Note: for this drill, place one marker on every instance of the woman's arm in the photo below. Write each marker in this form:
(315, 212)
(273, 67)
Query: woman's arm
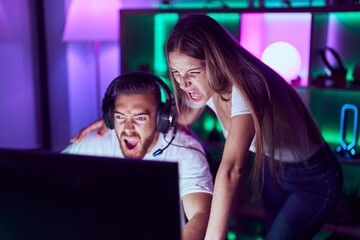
(241, 134)
(98, 125)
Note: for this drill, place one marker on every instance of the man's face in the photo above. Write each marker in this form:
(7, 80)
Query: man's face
(134, 122)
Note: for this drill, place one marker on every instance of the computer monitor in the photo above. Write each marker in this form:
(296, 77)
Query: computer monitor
(46, 195)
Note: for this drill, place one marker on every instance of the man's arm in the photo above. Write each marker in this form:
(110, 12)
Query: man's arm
(195, 182)
(197, 210)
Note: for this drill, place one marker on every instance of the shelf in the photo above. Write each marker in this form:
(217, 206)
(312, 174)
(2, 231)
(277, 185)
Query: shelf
(350, 230)
(325, 9)
(256, 28)
(347, 87)
(349, 161)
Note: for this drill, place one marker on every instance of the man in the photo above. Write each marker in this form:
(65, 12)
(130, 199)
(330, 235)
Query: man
(142, 127)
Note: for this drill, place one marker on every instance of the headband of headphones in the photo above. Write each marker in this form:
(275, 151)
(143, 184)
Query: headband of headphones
(165, 115)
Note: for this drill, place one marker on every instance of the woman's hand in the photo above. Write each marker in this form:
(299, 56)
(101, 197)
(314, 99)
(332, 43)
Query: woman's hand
(98, 125)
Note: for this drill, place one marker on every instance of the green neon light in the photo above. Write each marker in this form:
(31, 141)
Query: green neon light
(346, 24)
(326, 105)
(331, 137)
(163, 23)
(231, 21)
(209, 123)
(168, 83)
(218, 126)
(231, 235)
(348, 17)
(225, 17)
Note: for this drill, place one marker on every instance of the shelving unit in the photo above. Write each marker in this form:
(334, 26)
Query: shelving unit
(144, 31)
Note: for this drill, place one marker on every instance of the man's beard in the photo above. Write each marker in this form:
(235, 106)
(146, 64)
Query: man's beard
(142, 147)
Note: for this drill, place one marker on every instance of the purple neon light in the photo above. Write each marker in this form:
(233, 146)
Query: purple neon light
(92, 20)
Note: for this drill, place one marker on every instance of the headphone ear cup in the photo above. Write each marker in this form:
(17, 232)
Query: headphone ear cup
(110, 119)
(108, 111)
(163, 121)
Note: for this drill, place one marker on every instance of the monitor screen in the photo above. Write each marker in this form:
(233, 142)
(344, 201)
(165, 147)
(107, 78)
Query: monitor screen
(47, 195)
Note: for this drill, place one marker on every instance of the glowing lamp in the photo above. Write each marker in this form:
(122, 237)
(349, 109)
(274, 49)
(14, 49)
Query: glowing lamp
(284, 58)
(93, 21)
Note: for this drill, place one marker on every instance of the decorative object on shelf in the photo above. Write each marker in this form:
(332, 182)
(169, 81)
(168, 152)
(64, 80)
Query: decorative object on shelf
(348, 150)
(338, 71)
(285, 59)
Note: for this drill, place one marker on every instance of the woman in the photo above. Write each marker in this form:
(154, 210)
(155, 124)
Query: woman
(298, 175)
(295, 171)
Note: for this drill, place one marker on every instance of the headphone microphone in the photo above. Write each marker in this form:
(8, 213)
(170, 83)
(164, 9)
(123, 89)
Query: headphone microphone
(161, 150)
(165, 115)
(166, 112)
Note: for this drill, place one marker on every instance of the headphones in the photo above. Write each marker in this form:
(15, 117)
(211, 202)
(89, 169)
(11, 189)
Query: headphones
(165, 114)
(338, 71)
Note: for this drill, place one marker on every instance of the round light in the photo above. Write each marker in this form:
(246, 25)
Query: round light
(284, 58)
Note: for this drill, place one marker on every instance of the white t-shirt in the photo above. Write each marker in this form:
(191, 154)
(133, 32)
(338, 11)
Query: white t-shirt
(194, 171)
(238, 107)
(285, 153)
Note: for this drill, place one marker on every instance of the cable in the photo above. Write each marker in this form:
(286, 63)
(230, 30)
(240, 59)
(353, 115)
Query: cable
(189, 147)
(161, 150)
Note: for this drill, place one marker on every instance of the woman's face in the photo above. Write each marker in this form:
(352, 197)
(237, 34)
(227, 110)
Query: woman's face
(190, 74)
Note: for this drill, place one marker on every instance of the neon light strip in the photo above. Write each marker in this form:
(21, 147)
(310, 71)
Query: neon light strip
(161, 27)
(342, 119)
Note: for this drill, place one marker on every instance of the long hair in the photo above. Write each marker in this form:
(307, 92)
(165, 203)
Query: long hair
(228, 64)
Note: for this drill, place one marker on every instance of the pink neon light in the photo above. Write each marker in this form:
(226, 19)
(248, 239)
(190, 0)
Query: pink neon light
(259, 30)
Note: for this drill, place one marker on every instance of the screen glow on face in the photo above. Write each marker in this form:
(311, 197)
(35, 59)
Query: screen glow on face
(138, 119)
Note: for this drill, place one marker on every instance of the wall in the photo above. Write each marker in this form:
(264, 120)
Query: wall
(19, 105)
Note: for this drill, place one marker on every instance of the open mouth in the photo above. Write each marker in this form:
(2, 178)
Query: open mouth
(131, 144)
(194, 95)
